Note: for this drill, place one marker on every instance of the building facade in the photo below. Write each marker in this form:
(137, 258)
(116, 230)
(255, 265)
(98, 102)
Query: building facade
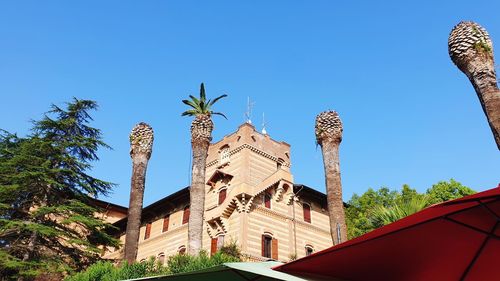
(250, 200)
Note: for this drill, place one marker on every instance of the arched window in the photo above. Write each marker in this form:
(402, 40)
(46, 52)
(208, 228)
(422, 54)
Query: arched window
(161, 258)
(216, 244)
(182, 250)
(222, 195)
(279, 163)
(269, 246)
(185, 215)
(224, 154)
(309, 250)
(306, 208)
(267, 200)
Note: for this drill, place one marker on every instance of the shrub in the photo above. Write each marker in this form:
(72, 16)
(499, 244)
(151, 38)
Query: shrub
(106, 271)
(231, 249)
(185, 263)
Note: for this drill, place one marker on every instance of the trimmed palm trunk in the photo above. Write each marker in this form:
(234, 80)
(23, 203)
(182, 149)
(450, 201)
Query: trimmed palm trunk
(328, 131)
(141, 145)
(201, 135)
(471, 50)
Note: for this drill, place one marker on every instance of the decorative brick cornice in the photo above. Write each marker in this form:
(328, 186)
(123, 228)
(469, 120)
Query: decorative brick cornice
(254, 258)
(251, 148)
(270, 212)
(163, 234)
(311, 226)
(287, 217)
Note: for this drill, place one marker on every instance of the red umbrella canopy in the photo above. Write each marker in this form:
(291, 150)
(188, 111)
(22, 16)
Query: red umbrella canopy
(454, 240)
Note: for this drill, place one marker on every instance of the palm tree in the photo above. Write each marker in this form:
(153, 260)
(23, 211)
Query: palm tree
(383, 215)
(471, 50)
(328, 131)
(201, 135)
(141, 146)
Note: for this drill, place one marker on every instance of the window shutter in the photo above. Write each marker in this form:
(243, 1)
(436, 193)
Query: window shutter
(263, 245)
(274, 249)
(307, 213)
(185, 216)
(222, 196)
(213, 246)
(165, 223)
(148, 231)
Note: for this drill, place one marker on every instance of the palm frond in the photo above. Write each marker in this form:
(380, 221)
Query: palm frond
(216, 99)
(218, 113)
(194, 99)
(201, 105)
(191, 112)
(202, 93)
(190, 103)
(383, 215)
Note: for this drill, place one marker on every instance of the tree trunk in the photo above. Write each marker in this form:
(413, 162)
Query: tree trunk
(481, 73)
(139, 166)
(197, 196)
(330, 149)
(31, 246)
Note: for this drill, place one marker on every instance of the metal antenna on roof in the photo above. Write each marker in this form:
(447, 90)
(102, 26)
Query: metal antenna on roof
(264, 124)
(248, 113)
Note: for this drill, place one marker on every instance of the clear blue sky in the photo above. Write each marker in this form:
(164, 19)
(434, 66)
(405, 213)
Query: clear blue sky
(409, 115)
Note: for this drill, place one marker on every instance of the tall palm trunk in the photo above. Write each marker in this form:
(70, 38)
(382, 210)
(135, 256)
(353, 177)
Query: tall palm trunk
(471, 49)
(201, 135)
(328, 131)
(141, 145)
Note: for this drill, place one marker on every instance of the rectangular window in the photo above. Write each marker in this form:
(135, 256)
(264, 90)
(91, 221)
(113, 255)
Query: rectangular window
(147, 233)
(166, 221)
(220, 242)
(185, 215)
(307, 212)
(213, 246)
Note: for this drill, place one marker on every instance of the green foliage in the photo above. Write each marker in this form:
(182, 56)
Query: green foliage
(444, 191)
(201, 105)
(382, 215)
(231, 249)
(375, 208)
(47, 222)
(186, 263)
(359, 208)
(106, 271)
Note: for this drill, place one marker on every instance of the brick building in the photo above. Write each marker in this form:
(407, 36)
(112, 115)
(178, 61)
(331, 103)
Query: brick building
(251, 199)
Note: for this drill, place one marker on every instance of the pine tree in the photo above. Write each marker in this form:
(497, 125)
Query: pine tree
(47, 221)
